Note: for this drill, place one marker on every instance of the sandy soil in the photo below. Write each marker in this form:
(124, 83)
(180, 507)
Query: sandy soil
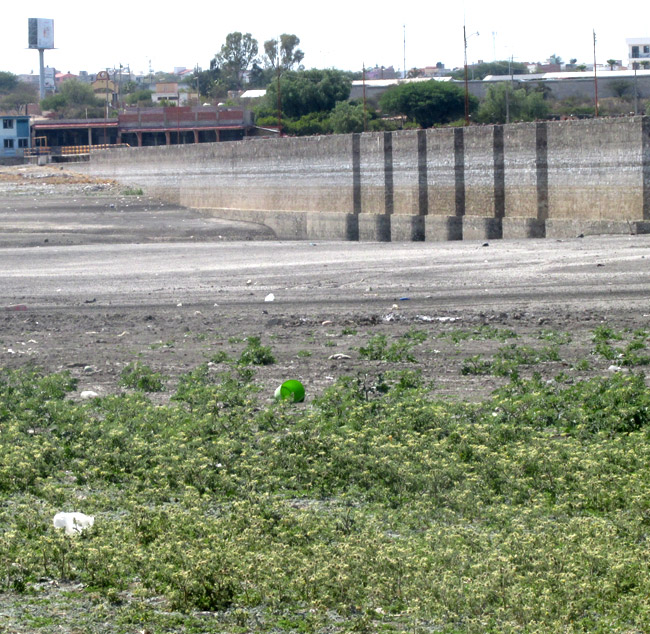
(93, 277)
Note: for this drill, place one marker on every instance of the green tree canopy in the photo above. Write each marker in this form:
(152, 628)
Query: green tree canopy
(236, 56)
(503, 103)
(75, 99)
(20, 96)
(289, 54)
(426, 103)
(482, 70)
(307, 91)
(14, 93)
(347, 117)
(140, 98)
(8, 82)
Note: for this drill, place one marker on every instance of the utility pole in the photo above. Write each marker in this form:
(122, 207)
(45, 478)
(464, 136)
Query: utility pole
(595, 77)
(279, 93)
(404, 60)
(466, 79)
(635, 65)
(365, 116)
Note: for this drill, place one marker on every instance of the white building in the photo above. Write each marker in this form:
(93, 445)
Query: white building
(639, 51)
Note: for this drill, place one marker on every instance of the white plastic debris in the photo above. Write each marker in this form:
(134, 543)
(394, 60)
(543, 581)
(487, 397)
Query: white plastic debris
(86, 395)
(73, 523)
(269, 298)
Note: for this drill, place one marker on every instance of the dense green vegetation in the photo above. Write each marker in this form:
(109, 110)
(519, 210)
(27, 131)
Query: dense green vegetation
(75, 100)
(376, 506)
(14, 94)
(427, 103)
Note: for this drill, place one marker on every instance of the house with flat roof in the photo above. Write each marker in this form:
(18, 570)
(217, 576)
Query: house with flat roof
(639, 52)
(14, 135)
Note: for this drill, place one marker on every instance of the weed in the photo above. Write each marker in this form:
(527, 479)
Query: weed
(255, 353)
(378, 349)
(141, 377)
(482, 333)
(220, 357)
(133, 191)
(555, 337)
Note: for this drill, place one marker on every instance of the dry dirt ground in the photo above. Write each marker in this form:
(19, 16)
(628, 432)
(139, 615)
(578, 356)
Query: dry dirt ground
(94, 276)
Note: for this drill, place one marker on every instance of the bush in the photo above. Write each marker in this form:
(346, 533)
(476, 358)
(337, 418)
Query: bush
(141, 377)
(255, 353)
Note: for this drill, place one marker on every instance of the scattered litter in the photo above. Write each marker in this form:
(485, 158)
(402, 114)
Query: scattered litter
(614, 368)
(312, 244)
(485, 244)
(198, 312)
(582, 235)
(73, 523)
(126, 332)
(339, 356)
(17, 307)
(600, 264)
(291, 389)
(440, 319)
(395, 307)
(91, 301)
(179, 304)
(327, 322)
(87, 395)
(269, 298)
(404, 299)
(249, 282)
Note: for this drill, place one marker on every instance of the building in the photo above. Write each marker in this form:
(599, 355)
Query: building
(14, 136)
(639, 52)
(147, 126)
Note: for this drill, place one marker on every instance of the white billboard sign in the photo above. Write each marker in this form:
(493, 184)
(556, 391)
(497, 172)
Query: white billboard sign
(41, 33)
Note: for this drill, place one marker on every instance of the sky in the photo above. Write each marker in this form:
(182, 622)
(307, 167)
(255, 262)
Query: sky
(333, 34)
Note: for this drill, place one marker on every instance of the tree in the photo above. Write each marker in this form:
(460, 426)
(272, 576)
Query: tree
(236, 57)
(555, 59)
(611, 63)
(620, 87)
(15, 94)
(74, 100)
(426, 103)
(503, 103)
(502, 67)
(140, 98)
(8, 82)
(20, 96)
(307, 91)
(259, 77)
(347, 117)
(290, 55)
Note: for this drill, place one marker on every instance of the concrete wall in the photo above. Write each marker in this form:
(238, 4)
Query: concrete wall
(520, 180)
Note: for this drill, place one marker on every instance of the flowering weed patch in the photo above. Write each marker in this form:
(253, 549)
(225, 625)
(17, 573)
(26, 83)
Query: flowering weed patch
(374, 507)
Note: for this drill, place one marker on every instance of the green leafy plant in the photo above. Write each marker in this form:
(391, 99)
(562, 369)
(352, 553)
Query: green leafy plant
(255, 353)
(378, 349)
(141, 377)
